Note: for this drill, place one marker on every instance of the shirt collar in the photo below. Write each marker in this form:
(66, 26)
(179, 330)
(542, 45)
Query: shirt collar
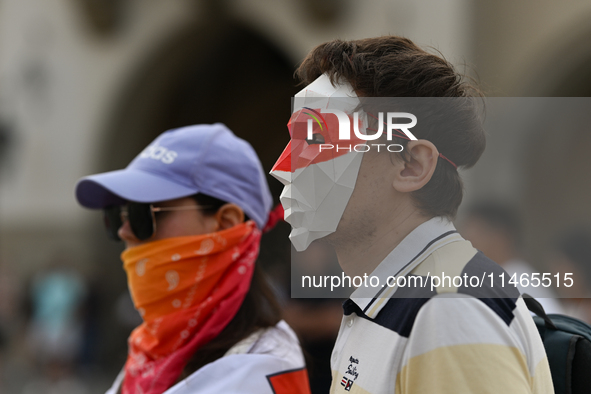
(414, 248)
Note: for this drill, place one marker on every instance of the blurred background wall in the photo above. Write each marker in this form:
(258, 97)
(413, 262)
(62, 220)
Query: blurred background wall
(86, 84)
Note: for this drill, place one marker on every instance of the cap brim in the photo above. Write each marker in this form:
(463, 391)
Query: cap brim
(116, 187)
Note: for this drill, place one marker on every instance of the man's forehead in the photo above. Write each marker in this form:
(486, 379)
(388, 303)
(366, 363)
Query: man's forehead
(322, 94)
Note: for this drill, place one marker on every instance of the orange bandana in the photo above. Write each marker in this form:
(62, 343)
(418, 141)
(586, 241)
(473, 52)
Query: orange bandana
(187, 289)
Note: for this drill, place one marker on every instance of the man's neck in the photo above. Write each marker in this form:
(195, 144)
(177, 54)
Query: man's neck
(362, 257)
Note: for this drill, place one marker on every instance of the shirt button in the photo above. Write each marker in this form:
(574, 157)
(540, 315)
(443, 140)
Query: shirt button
(350, 322)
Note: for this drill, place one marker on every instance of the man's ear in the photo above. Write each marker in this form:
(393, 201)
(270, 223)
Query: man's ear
(413, 174)
(229, 215)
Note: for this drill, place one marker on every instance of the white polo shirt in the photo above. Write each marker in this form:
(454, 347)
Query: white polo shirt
(450, 339)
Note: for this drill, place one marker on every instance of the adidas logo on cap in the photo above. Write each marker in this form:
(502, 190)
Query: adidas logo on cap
(158, 152)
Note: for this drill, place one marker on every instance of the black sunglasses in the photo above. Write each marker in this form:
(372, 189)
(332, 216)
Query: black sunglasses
(141, 218)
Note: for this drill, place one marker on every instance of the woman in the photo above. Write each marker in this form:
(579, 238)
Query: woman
(190, 209)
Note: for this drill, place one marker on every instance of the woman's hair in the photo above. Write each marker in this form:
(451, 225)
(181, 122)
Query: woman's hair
(211, 204)
(259, 309)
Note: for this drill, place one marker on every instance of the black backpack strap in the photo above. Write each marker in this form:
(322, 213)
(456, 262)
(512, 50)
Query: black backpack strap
(534, 306)
(559, 345)
(581, 367)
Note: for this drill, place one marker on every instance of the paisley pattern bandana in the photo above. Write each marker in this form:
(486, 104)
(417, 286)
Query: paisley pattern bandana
(187, 290)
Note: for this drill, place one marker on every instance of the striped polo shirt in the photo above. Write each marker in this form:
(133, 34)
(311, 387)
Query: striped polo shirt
(455, 338)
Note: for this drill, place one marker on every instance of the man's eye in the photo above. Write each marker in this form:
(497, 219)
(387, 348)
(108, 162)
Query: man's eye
(316, 139)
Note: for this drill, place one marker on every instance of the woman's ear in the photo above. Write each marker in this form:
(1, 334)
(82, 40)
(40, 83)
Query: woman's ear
(413, 174)
(229, 215)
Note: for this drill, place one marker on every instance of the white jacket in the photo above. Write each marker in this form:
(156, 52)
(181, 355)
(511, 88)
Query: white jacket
(249, 367)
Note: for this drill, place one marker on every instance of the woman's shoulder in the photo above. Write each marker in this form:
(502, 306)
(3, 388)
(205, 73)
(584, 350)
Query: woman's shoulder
(278, 340)
(250, 366)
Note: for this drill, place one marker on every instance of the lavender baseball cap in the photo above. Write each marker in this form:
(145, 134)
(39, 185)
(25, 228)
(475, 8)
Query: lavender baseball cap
(206, 159)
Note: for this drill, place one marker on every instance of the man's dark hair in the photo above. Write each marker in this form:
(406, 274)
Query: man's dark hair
(393, 66)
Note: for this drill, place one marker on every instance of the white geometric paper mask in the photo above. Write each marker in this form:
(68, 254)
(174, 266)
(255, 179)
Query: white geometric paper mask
(318, 180)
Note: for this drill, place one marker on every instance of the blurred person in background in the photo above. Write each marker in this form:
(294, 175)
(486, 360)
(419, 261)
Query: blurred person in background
(315, 320)
(8, 313)
(572, 255)
(190, 209)
(389, 215)
(495, 229)
(55, 334)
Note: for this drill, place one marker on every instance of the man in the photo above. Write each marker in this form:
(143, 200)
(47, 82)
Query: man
(494, 228)
(190, 209)
(387, 212)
